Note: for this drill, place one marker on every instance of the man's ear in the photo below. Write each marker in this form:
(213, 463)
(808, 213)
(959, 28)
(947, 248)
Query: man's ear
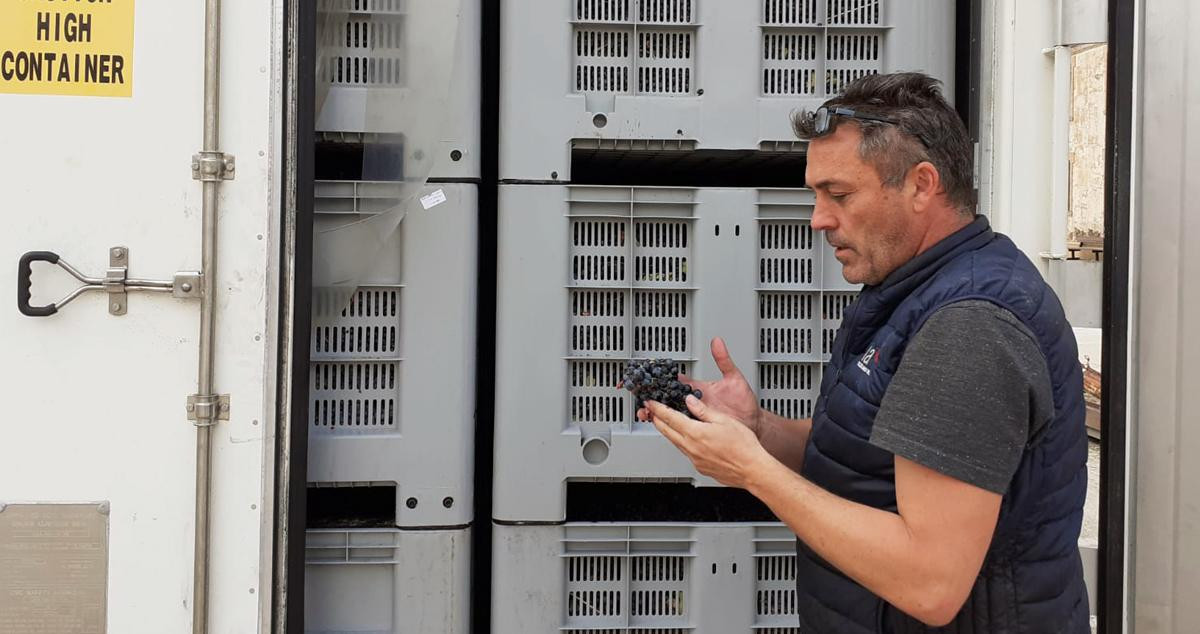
(926, 185)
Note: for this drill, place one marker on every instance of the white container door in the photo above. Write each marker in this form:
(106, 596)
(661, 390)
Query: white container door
(95, 153)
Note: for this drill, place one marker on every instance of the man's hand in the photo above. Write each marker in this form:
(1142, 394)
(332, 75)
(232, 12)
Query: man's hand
(719, 446)
(731, 394)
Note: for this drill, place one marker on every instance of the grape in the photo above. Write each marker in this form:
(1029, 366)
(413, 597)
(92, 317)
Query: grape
(656, 379)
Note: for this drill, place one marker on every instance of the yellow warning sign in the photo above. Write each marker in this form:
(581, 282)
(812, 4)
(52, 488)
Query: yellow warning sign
(67, 47)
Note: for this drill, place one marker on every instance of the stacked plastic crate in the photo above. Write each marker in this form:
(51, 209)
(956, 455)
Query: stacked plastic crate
(591, 276)
(391, 409)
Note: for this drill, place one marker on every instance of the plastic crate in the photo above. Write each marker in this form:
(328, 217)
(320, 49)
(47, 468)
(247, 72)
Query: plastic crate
(367, 45)
(391, 393)
(387, 581)
(644, 579)
(590, 277)
(702, 74)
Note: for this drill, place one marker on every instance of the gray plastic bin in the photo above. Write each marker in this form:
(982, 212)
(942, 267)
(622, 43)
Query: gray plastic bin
(387, 581)
(706, 74)
(368, 49)
(393, 374)
(590, 277)
(643, 578)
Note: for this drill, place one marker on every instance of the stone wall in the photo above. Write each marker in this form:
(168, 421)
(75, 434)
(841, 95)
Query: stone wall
(1085, 218)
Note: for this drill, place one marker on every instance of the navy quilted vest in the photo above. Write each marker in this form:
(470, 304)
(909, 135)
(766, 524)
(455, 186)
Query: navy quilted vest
(1032, 577)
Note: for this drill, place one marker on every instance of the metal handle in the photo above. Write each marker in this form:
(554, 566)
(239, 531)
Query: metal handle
(25, 284)
(116, 282)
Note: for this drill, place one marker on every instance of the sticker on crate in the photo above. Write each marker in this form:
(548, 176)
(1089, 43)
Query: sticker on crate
(433, 200)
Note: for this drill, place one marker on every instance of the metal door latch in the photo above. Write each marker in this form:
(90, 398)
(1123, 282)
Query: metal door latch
(116, 283)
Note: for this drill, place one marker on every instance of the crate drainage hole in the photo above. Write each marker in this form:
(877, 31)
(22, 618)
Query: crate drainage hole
(600, 120)
(595, 451)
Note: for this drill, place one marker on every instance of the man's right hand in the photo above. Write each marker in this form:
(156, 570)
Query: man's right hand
(731, 394)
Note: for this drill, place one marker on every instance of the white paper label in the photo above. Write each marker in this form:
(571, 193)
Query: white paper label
(433, 200)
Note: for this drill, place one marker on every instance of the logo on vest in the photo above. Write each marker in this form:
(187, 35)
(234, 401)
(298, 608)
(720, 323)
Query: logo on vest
(872, 356)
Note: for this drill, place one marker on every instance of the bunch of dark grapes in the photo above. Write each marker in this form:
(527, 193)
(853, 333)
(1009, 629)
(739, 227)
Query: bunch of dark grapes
(656, 380)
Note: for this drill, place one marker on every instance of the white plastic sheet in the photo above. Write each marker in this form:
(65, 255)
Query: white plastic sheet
(387, 64)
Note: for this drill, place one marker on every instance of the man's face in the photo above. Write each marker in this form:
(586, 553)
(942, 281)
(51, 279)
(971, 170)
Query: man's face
(871, 226)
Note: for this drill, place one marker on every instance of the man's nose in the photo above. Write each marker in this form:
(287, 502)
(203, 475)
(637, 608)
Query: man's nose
(822, 218)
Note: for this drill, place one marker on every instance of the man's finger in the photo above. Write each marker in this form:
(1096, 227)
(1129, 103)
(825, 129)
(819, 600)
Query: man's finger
(720, 355)
(695, 383)
(677, 421)
(698, 408)
(670, 434)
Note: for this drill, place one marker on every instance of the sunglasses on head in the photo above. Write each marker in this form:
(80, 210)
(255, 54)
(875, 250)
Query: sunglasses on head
(823, 120)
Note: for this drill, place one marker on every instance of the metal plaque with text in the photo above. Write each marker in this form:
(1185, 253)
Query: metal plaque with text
(53, 568)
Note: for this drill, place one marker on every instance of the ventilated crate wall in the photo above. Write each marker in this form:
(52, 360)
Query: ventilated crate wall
(591, 277)
(799, 309)
(355, 362)
(366, 60)
(644, 578)
(813, 48)
(643, 47)
(694, 74)
(364, 42)
(629, 294)
(355, 351)
(391, 376)
(789, 389)
(387, 581)
(775, 581)
(833, 310)
(629, 589)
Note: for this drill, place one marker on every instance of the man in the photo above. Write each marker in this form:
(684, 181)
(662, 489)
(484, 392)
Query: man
(941, 480)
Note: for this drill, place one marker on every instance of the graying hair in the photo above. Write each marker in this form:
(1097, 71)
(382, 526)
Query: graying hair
(927, 129)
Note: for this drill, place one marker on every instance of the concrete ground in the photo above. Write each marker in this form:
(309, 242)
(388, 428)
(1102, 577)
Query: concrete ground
(1090, 534)
(1090, 352)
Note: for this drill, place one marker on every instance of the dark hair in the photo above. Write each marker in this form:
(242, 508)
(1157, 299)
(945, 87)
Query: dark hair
(927, 129)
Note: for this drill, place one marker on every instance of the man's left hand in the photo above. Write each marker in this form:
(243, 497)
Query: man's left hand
(719, 446)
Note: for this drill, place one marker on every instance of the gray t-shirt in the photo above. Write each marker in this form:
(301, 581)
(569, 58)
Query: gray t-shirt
(971, 390)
